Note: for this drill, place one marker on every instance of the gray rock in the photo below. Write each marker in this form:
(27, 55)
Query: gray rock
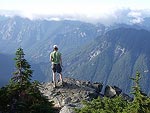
(76, 99)
(66, 101)
(78, 83)
(118, 90)
(126, 97)
(66, 109)
(57, 101)
(109, 91)
(72, 92)
(97, 86)
(70, 95)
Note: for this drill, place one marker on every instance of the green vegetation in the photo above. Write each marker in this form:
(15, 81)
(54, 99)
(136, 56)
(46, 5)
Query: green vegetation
(21, 95)
(140, 104)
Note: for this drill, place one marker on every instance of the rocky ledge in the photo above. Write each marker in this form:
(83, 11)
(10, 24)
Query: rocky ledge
(70, 94)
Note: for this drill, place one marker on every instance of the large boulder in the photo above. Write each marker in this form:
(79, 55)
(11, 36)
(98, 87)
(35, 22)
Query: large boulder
(112, 91)
(117, 89)
(109, 91)
(97, 86)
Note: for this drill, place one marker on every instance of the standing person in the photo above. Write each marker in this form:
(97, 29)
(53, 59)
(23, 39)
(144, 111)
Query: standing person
(56, 60)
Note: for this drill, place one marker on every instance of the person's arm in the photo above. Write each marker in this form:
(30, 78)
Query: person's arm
(50, 58)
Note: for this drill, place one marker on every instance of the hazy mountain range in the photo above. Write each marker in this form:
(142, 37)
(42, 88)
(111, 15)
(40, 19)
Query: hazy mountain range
(107, 54)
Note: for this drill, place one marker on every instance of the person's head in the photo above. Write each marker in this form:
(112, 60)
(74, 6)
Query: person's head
(55, 47)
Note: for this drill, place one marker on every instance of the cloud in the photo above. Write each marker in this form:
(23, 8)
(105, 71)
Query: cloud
(136, 16)
(137, 20)
(113, 15)
(126, 15)
(9, 13)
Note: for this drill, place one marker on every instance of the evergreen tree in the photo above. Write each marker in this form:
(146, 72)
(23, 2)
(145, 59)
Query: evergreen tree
(21, 95)
(140, 104)
(23, 73)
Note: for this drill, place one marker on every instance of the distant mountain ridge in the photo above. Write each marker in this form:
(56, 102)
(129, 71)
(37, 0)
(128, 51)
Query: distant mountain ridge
(114, 57)
(110, 55)
(28, 34)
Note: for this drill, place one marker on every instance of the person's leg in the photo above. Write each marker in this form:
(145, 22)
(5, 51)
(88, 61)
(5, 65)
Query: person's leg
(59, 70)
(54, 79)
(54, 74)
(60, 77)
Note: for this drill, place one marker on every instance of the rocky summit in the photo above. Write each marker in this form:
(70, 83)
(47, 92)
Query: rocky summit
(70, 94)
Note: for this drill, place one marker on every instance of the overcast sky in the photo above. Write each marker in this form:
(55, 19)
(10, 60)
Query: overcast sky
(73, 8)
